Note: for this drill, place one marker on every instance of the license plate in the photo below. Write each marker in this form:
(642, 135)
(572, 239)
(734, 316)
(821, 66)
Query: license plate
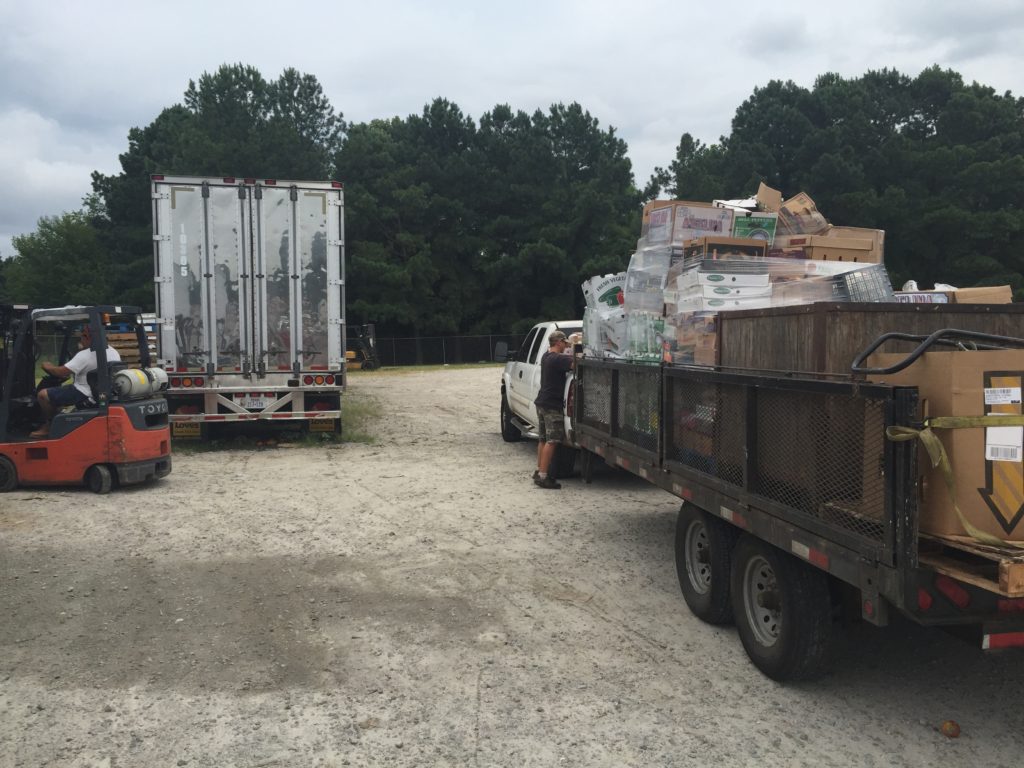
(255, 403)
(186, 429)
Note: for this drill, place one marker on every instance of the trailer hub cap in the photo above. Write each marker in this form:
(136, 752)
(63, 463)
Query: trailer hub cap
(761, 601)
(698, 557)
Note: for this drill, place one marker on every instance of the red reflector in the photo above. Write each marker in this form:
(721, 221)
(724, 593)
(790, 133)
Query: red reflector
(1003, 640)
(175, 382)
(249, 181)
(270, 182)
(229, 179)
(924, 599)
(336, 184)
(199, 381)
(307, 380)
(329, 379)
(820, 559)
(869, 608)
(157, 177)
(955, 593)
(1006, 605)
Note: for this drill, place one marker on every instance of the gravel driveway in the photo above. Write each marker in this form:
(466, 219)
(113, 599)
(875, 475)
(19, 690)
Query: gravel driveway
(418, 602)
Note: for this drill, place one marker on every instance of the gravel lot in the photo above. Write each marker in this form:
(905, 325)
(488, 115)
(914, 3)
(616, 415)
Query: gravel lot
(418, 602)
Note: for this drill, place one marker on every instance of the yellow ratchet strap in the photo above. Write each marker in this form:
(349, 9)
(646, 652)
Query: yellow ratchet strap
(939, 459)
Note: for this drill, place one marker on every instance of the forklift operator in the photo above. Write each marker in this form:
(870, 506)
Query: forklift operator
(80, 366)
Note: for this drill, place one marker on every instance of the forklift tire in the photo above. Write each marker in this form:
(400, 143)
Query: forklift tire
(783, 610)
(8, 475)
(99, 479)
(704, 546)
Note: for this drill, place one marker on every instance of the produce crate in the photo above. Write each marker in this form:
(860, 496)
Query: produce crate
(826, 337)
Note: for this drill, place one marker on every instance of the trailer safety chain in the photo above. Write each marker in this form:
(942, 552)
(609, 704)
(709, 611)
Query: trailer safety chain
(940, 460)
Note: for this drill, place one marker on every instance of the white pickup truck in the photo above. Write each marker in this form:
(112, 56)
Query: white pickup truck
(520, 383)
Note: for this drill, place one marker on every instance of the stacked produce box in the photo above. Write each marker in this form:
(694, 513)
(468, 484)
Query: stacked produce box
(696, 260)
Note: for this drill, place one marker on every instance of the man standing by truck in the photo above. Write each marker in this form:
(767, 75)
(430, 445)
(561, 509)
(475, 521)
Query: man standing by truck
(555, 363)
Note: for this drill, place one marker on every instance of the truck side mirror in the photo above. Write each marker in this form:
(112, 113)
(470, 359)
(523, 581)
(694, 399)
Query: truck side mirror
(501, 353)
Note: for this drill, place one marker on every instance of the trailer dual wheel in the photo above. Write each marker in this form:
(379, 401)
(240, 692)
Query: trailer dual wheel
(704, 547)
(509, 432)
(564, 462)
(99, 479)
(8, 475)
(782, 610)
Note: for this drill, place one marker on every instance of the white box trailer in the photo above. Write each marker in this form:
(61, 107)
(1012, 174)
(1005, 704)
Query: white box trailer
(250, 300)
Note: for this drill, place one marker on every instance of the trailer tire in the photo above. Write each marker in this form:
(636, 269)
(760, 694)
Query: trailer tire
(782, 610)
(99, 479)
(704, 550)
(8, 475)
(509, 432)
(564, 461)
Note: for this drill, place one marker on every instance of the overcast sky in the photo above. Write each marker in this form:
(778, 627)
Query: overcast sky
(76, 76)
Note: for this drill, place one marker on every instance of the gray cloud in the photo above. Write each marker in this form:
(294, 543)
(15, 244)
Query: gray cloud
(77, 76)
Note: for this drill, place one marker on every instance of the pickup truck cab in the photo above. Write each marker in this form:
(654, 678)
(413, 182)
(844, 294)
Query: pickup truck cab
(520, 383)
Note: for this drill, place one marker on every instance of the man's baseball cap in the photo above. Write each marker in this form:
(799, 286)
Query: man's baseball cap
(557, 336)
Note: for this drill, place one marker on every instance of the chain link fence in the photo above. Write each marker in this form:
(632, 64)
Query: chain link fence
(443, 350)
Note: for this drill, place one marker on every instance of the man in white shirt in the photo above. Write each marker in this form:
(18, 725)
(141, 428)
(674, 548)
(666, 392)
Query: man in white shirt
(80, 366)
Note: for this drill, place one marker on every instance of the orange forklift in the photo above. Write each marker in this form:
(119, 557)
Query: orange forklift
(118, 436)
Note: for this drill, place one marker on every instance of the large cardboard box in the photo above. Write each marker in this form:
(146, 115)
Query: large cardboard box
(821, 248)
(995, 294)
(799, 216)
(694, 220)
(715, 248)
(755, 224)
(987, 463)
(876, 236)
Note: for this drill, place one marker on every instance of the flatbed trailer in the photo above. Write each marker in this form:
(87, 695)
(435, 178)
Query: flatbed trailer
(795, 504)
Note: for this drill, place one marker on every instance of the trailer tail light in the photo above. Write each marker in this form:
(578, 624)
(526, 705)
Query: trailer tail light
(307, 379)
(270, 182)
(329, 379)
(336, 184)
(319, 380)
(199, 381)
(924, 599)
(229, 179)
(157, 177)
(187, 381)
(953, 592)
(175, 381)
(1010, 605)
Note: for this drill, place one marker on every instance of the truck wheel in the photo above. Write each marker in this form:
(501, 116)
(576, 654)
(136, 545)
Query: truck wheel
(509, 432)
(8, 475)
(704, 546)
(782, 610)
(99, 479)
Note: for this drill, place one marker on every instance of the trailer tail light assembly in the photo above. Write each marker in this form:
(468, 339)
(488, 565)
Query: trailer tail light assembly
(187, 381)
(318, 380)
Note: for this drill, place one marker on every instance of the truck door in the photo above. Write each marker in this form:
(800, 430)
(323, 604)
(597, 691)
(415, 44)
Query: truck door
(297, 308)
(203, 274)
(521, 381)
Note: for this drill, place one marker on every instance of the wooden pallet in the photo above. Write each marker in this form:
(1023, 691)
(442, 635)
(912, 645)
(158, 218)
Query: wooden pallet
(997, 569)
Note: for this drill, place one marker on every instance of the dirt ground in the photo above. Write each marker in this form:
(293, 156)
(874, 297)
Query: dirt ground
(418, 602)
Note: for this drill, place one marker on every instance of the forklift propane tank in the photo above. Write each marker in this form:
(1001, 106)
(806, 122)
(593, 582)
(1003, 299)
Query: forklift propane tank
(139, 382)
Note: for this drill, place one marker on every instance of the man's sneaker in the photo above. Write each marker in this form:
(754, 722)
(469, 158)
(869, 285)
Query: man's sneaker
(547, 482)
(536, 475)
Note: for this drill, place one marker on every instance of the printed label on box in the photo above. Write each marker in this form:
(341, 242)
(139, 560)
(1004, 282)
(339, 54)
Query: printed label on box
(1002, 396)
(1004, 444)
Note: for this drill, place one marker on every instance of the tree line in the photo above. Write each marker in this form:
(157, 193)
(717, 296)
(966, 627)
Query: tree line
(456, 225)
